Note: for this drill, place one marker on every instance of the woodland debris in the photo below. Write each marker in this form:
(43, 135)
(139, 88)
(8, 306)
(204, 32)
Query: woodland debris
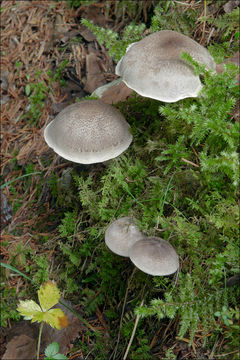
(6, 211)
(235, 59)
(4, 76)
(94, 73)
(21, 341)
(60, 27)
(113, 92)
(20, 347)
(65, 337)
(231, 5)
(117, 93)
(87, 34)
(93, 13)
(4, 99)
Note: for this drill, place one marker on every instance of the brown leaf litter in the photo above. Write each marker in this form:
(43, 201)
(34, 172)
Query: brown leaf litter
(30, 32)
(37, 37)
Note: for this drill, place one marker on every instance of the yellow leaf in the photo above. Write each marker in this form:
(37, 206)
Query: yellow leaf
(48, 295)
(28, 309)
(56, 318)
(39, 317)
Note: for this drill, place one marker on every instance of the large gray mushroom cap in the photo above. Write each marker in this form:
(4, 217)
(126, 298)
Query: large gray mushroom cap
(88, 132)
(154, 256)
(121, 235)
(153, 66)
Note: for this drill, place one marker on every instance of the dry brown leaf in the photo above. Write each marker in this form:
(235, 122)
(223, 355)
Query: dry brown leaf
(6, 211)
(116, 93)
(231, 5)
(235, 60)
(20, 347)
(236, 111)
(87, 34)
(94, 73)
(94, 14)
(64, 337)
(4, 76)
(60, 27)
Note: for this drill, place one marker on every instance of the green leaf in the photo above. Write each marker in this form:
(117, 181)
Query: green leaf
(52, 349)
(59, 357)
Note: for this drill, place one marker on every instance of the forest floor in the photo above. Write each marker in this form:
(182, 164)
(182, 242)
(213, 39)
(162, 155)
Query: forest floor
(43, 69)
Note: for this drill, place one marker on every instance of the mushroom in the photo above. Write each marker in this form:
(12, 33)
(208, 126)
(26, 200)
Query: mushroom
(154, 256)
(88, 132)
(153, 66)
(121, 235)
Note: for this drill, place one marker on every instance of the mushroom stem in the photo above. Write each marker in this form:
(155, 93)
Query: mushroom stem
(133, 334)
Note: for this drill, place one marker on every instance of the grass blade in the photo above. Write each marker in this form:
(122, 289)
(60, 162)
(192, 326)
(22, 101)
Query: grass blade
(18, 178)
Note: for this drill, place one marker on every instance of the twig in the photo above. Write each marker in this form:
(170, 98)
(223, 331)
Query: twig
(204, 23)
(190, 162)
(195, 153)
(102, 321)
(155, 337)
(123, 308)
(226, 354)
(133, 334)
(210, 35)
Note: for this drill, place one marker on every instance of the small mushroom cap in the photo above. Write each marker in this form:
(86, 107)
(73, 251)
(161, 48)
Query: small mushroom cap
(153, 66)
(88, 132)
(154, 256)
(121, 235)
